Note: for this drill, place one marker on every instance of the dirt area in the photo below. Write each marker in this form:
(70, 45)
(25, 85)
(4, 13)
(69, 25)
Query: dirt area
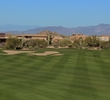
(46, 53)
(94, 48)
(12, 52)
(58, 54)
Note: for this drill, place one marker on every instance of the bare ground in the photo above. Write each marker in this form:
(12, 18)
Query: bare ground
(46, 53)
(12, 52)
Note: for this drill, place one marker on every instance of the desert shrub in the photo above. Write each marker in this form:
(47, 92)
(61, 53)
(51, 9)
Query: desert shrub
(65, 42)
(92, 41)
(35, 44)
(12, 43)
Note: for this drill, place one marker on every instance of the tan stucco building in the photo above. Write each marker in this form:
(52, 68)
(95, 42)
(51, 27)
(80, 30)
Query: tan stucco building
(78, 36)
(31, 36)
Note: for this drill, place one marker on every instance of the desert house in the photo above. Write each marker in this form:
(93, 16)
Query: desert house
(48, 37)
(31, 36)
(77, 37)
(2, 37)
(104, 38)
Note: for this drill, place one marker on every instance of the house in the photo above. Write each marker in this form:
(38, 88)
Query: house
(77, 37)
(57, 38)
(47, 37)
(2, 38)
(31, 36)
(104, 38)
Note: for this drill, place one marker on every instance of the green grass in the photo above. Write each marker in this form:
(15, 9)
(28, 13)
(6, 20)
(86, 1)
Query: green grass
(76, 75)
(1, 51)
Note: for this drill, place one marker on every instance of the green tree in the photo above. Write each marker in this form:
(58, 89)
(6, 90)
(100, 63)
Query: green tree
(12, 43)
(65, 42)
(105, 44)
(92, 41)
(76, 44)
(55, 43)
(35, 44)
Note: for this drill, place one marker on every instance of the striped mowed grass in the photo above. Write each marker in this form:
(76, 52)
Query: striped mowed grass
(76, 75)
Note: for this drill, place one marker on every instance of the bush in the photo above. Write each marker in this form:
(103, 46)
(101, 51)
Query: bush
(35, 44)
(64, 42)
(92, 41)
(12, 43)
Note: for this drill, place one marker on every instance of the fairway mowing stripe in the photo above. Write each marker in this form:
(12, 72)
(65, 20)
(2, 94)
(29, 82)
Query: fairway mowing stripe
(24, 74)
(26, 95)
(105, 67)
(19, 60)
(51, 75)
(31, 80)
(7, 94)
(81, 85)
(44, 67)
(13, 66)
(97, 77)
(62, 84)
(13, 70)
(50, 78)
(50, 93)
(94, 70)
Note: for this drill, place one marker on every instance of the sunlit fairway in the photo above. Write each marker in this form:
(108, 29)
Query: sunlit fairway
(75, 75)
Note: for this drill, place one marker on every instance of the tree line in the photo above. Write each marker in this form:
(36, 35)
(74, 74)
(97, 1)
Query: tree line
(32, 44)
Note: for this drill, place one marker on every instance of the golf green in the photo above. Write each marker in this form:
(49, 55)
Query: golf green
(75, 75)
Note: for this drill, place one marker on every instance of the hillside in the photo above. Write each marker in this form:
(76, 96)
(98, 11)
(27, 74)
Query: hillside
(50, 33)
(88, 30)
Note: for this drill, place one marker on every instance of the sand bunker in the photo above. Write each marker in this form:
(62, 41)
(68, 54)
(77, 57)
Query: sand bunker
(57, 54)
(12, 52)
(46, 53)
(51, 52)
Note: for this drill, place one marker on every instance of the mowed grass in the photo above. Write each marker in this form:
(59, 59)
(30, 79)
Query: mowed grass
(76, 75)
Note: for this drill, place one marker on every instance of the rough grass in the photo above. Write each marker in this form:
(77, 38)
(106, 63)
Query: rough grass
(76, 75)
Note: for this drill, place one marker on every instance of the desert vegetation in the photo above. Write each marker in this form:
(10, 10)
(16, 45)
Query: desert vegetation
(12, 43)
(91, 42)
(56, 40)
(32, 44)
(35, 44)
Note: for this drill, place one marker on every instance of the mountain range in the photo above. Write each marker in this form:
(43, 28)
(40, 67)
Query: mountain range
(9, 27)
(87, 30)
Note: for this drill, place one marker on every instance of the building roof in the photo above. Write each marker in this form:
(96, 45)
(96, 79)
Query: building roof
(36, 35)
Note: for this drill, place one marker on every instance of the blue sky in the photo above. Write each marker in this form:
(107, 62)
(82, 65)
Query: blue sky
(67, 13)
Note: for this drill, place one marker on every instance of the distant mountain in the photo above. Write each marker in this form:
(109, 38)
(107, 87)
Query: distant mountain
(10, 27)
(50, 33)
(88, 30)
(94, 30)
(59, 29)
